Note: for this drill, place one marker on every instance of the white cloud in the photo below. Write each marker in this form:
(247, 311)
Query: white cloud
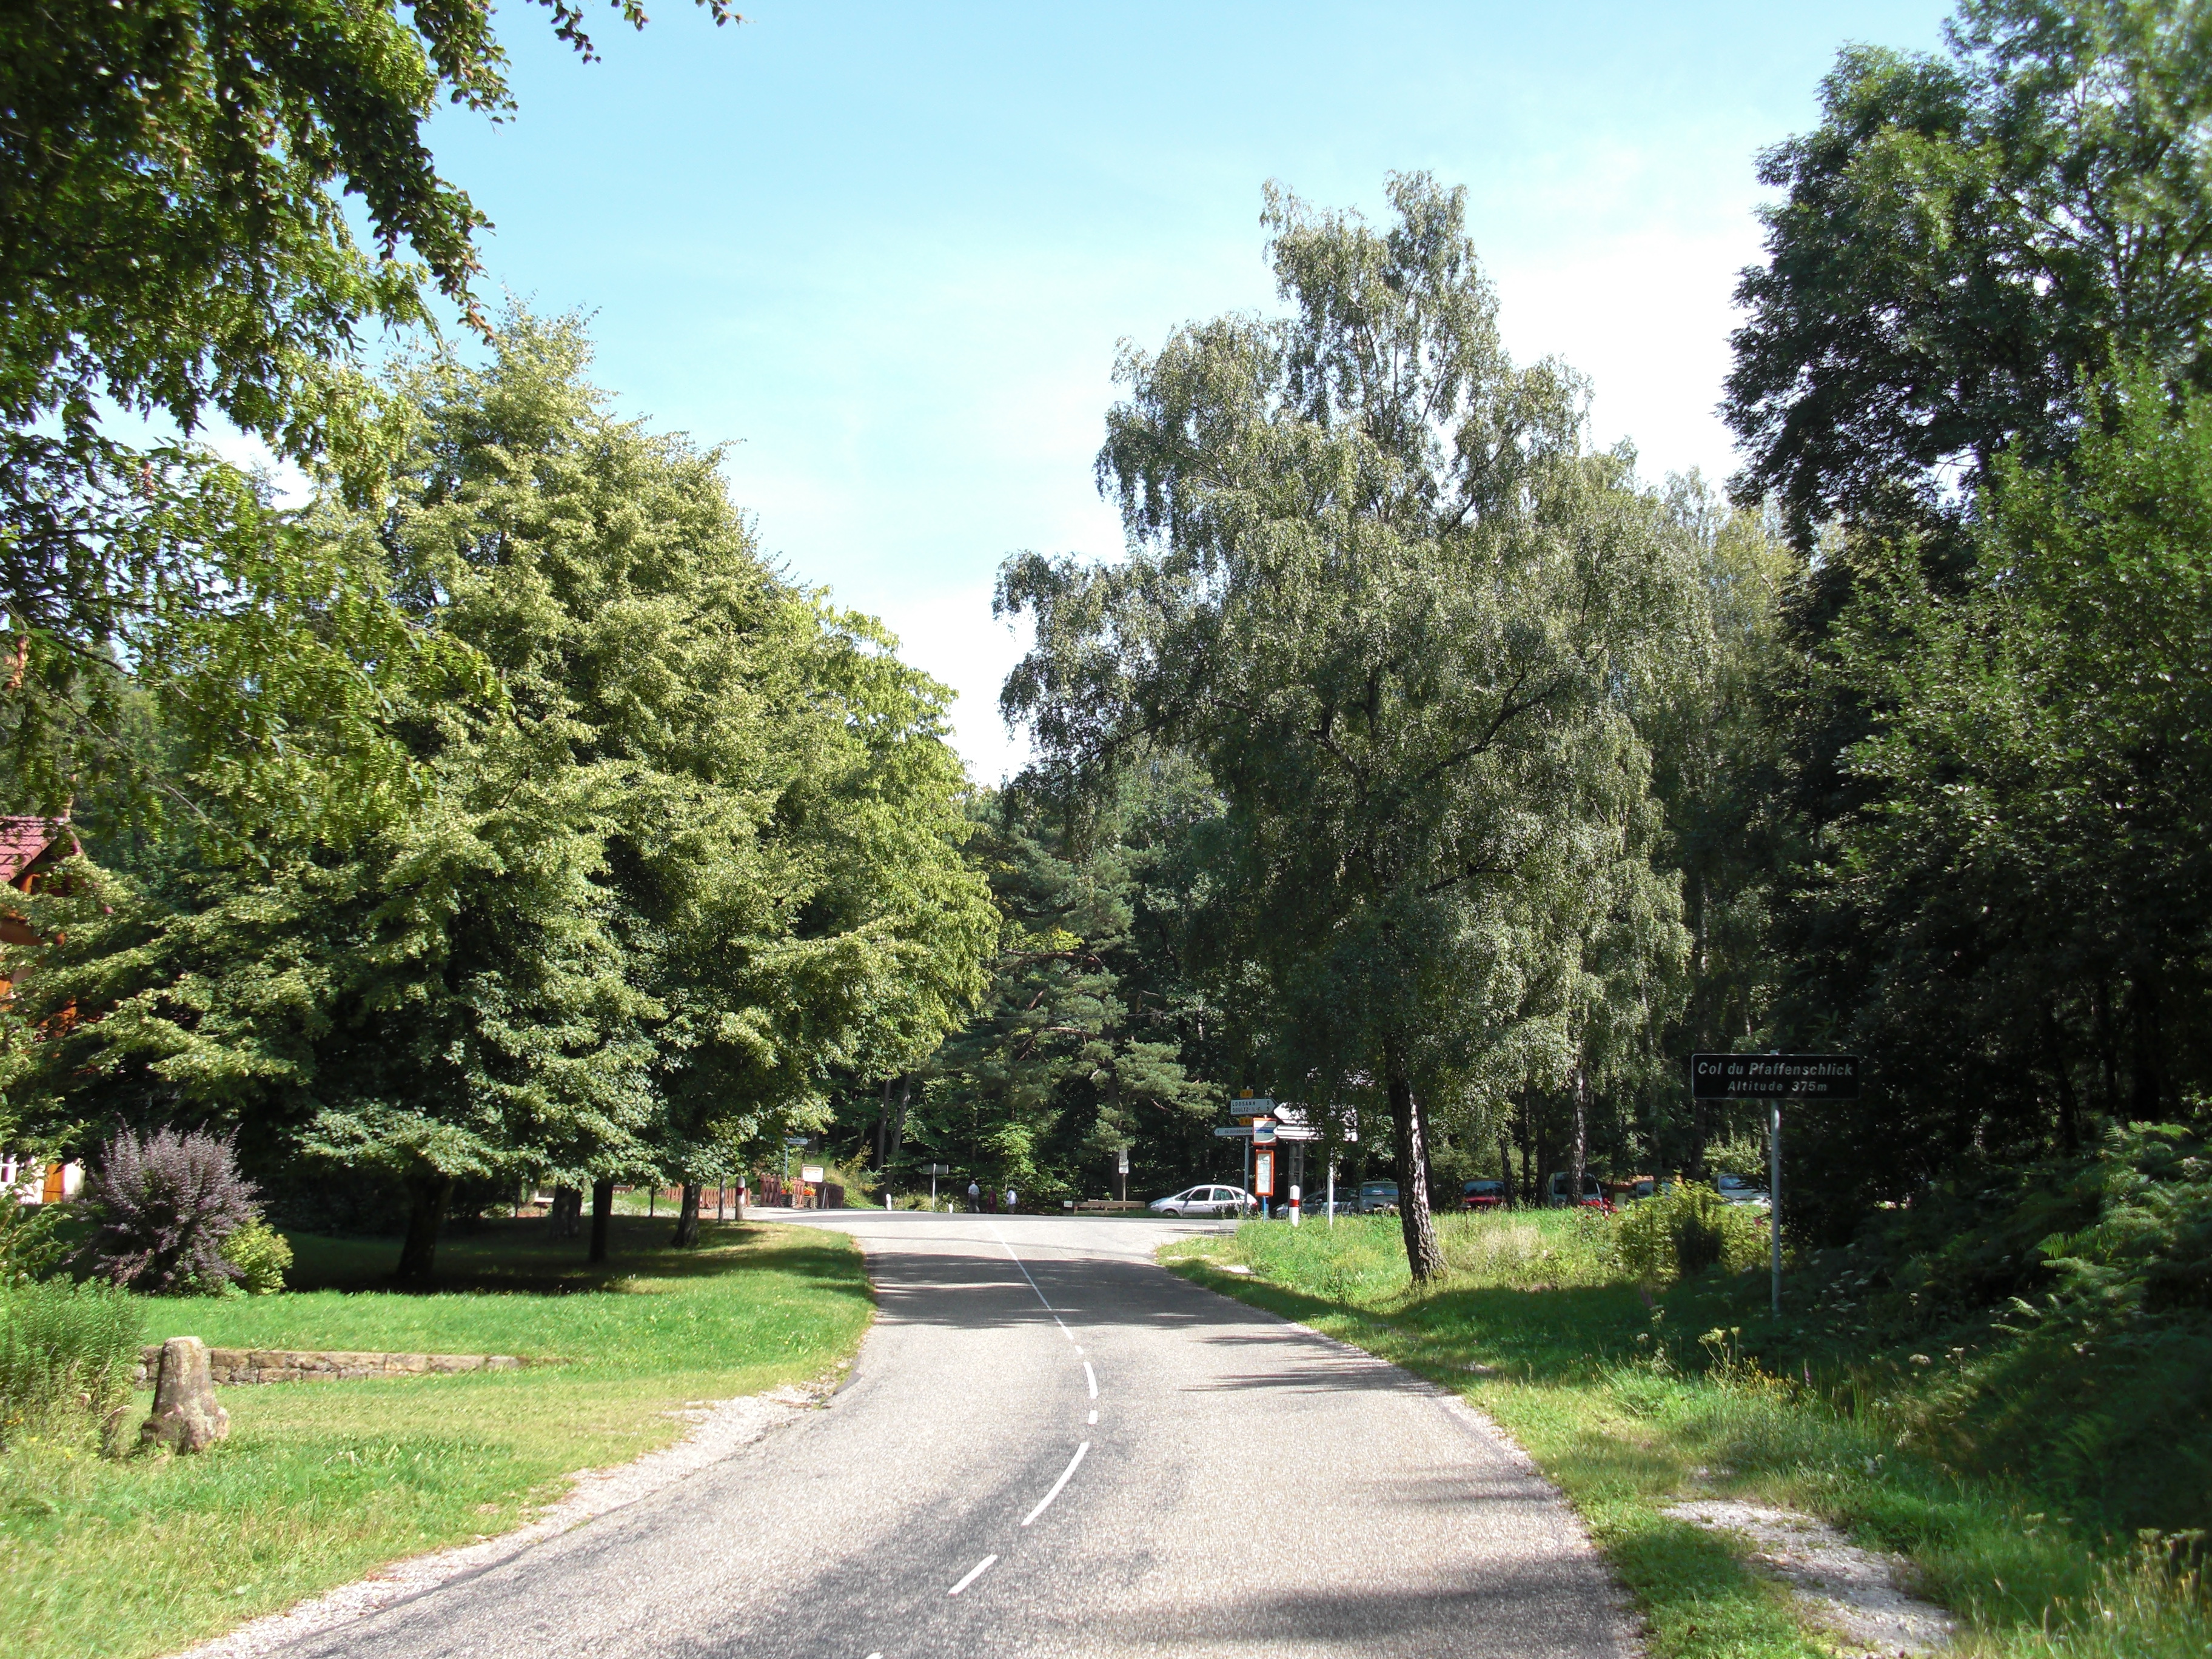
(951, 636)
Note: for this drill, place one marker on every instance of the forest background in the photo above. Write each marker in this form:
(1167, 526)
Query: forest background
(502, 814)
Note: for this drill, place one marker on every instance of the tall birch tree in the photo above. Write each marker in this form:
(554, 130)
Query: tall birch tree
(1380, 588)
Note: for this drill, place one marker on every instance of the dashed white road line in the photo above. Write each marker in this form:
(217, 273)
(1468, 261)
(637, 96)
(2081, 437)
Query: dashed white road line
(1024, 1271)
(971, 1575)
(1094, 1417)
(1046, 1500)
(1091, 1378)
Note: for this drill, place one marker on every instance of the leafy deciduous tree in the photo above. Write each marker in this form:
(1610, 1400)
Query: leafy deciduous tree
(1379, 590)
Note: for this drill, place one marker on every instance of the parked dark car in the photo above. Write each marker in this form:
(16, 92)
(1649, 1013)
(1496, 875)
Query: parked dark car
(1379, 1198)
(1482, 1196)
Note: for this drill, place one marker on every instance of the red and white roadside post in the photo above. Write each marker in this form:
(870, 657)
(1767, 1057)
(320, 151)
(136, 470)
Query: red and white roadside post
(1294, 1204)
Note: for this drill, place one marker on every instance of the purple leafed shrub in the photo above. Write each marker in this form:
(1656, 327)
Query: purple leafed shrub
(165, 1204)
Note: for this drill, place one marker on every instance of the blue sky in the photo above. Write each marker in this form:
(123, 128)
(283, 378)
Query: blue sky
(887, 252)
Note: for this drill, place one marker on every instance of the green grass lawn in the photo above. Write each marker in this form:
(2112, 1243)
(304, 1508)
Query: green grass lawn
(320, 1482)
(1621, 1403)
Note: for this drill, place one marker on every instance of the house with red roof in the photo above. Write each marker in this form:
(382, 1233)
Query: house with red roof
(30, 850)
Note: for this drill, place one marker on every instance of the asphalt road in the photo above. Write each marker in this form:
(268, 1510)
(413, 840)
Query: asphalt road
(1050, 1445)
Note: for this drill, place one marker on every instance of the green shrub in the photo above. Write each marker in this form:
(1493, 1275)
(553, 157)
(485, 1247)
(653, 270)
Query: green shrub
(2066, 1330)
(66, 1354)
(261, 1255)
(32, 1243)
(1681, 1230)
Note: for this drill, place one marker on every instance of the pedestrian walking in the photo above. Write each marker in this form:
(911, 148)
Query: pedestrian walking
(1010, 1200)
(975, 1198)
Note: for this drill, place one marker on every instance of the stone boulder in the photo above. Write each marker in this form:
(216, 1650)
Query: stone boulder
(185, 1416)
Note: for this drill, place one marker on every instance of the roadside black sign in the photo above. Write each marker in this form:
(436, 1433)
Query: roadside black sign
(1774, 1077)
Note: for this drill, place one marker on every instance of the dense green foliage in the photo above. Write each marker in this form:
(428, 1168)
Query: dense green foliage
(1683, 1230)
(692, 842)
(261, 1256)
(176, 243)
(2012, 916)
(1094, 1037)
(1381, 592)
(2072, 1303)
(1963, 238)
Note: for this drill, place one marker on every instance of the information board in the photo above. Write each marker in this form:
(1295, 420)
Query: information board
(1774, 1077)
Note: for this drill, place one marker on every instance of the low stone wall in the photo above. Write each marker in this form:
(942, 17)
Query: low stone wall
(236, 1366)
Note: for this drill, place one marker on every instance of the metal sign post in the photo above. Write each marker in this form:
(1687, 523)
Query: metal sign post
(1774, 1194)
(1774, 1078)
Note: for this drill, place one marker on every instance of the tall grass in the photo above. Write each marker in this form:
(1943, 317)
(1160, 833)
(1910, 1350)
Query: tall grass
(66, 1353)
(1362, 1258)
(2150, 1605)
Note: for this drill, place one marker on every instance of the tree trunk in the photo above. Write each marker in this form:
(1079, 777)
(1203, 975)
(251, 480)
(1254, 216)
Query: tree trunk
(2146, 1089)
(2070, 1109)
(1424, 1256)
(898, 1119)
(1580, 1154)
(2108, 1055)
(883, 1129)
(426, 1208)
(564, 1216)
(603, 1213)
(687, 1219)
(1505, 1163)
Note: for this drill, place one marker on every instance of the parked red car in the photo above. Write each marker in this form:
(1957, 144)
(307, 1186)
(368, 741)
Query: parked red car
(1482, 1196)
(1593, 1194)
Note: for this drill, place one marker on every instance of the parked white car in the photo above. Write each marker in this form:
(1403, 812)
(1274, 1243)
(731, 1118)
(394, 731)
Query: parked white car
(1737, 1190)
(1205, 1200)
